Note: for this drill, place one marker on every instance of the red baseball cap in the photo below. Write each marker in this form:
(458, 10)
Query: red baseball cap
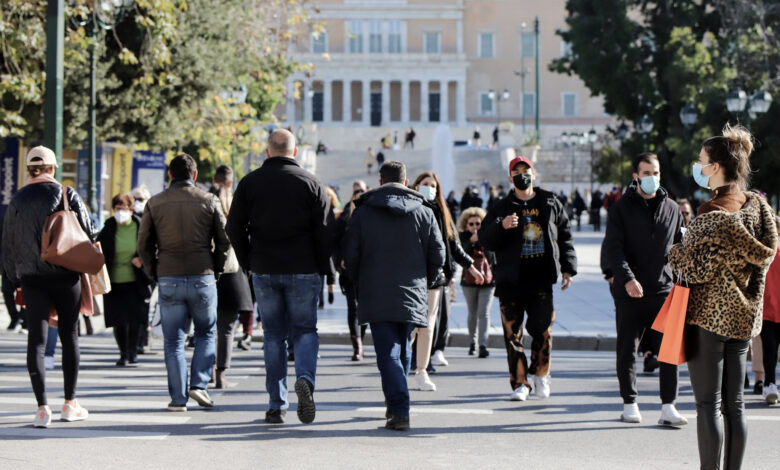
(520, 159)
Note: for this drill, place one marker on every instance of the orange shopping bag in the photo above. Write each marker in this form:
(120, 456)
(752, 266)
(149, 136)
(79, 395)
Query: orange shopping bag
(671, 322)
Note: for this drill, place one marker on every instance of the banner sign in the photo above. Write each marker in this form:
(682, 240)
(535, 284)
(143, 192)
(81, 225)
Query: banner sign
(122, 171)
(149, 170)
(82, 175)
(9, 171)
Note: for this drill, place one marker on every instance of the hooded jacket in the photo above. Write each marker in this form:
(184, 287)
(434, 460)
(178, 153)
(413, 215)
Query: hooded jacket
(393, 247)
(725, 256)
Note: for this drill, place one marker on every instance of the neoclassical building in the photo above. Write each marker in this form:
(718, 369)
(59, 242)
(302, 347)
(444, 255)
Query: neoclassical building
(394, 63)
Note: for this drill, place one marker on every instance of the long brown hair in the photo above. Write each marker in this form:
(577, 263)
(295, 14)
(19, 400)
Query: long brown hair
(449, 225)
(223, 176)
(732, 151)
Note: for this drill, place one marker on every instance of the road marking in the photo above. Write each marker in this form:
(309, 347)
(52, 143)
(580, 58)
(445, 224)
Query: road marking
(93, 403)
(414, 409)
(749, 417)
(70, 433)
(110, 418)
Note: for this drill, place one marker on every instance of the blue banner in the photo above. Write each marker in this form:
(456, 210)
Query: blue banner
(149, 170)
(82, 177)
(9, 171)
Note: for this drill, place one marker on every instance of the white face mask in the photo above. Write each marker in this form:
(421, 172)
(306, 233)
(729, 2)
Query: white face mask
(139, 206)
(122, 216)
(428, 192)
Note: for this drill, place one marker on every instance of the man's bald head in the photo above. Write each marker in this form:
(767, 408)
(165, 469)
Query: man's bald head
(281, 143)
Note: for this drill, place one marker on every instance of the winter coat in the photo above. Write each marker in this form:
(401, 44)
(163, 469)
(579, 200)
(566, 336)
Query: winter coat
(393, 248)
(183, 233)
(23, 228)
(469, 247)
(508, 244)
(278, 223)
(725, 256)
(637, 243)
(107, 239)
(772, 291)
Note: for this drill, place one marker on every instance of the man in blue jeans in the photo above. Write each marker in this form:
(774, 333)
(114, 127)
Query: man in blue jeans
(182, 242)
(278, 227)
(393, 251)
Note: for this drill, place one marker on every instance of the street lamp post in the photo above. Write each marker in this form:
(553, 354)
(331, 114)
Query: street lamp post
(498, 99)
(55, 40)
(622, 133)
(593, 137)
(522, 73)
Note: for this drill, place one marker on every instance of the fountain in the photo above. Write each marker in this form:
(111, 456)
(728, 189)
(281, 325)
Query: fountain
(442, 162)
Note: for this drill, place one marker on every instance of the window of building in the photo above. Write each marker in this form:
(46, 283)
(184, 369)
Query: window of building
(394, 37)
(375, 37)
(355, 36)
(485, 104)
(565, 49)
(569, 104)
(319, 42)
(487, 45)
(528, 45)
(433, 43)
(529, 104)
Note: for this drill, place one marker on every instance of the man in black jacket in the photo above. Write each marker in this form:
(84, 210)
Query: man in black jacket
(641, 228)
(394, 249)
(278, 227)
(531, 236)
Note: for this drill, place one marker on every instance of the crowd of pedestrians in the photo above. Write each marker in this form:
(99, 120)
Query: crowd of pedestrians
(397, 251)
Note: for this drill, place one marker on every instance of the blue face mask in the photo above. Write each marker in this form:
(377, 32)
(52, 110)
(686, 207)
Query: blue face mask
(428, 192)
(649, 184)
(701, 180)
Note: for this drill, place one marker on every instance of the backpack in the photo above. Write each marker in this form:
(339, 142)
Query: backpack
(482, 265)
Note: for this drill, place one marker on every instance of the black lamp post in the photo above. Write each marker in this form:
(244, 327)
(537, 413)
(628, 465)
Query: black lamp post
(593, 137)
(622, 133)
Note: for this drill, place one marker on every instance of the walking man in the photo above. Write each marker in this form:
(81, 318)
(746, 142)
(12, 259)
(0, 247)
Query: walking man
(393, 250)
(182, 243)
(641, 228)
(278, 227)
(530, 233)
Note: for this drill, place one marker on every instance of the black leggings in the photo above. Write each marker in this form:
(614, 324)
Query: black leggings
(352, 316)
(717, 368)
(9, 296)
(770, 335)
(64, 293)
(442, 331)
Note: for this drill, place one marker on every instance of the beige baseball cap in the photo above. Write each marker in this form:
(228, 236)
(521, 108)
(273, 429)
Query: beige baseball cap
(41, 155)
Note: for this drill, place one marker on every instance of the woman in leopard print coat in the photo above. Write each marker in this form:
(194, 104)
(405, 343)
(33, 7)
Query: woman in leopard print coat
(724, 256)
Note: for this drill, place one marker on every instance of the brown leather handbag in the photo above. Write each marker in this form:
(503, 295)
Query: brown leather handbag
(65, 243)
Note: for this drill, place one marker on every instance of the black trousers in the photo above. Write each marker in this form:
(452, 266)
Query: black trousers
(352, 317)
(64, 293)
(126, 336)
(9, 296)
(717, 366)
(442, 330)
(226, 328)
(770, 335)
(634, 318)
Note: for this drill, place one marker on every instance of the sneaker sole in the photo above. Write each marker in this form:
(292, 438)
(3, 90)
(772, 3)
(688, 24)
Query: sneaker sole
(306, 407)
(177, 408)
(40, 426)
(70, 420)
(663, 422)
(201, 401)
(631, 421)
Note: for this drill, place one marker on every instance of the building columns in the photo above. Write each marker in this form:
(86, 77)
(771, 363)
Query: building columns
(405, 101)
(327, 100)
(424, 107)
(460, 102)
(366, 90)
(346, 95)
(385, 103)
(444, 101)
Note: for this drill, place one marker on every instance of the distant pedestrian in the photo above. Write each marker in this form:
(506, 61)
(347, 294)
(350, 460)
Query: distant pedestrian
(770, 330)
(286, 258)
(470, 198)
(477, 138)
(687, 212)
(495, 137)
(597, 200)
(369, 159)
(183, 244)
(43, 285)
(380, 159)
(392, 223)
(578, 207)
(409, 140)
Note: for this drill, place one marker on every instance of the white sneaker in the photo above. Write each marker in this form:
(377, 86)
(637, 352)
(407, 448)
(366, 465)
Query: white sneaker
(520, 393)
(670, 417)
(542, 386)
(42, 418)
(423, 382)
(631, 413)
(438, 359)
(770, 394)
(73, 413)
(48, 362)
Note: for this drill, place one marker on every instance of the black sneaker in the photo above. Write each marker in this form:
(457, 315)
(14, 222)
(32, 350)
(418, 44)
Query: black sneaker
(430, 369)
(121, 362)
(747, 382)
(758, 388)
(397, 423)
(483, 352)
(306, 408)
(275, 416)
(472, 348)
(202, 397)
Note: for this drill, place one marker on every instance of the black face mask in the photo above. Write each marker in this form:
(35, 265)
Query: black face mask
(522, 181)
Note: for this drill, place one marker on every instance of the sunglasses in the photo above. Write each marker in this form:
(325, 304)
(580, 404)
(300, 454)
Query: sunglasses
(475, 224)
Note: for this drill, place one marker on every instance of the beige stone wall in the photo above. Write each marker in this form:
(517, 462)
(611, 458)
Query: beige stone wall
(416, 30)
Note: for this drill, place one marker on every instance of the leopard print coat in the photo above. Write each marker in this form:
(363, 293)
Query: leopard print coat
(724, 256)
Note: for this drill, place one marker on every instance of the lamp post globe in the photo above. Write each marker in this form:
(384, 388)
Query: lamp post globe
(645, 125)
(688, 116)
(593, 136)
(760, 102)
(736, 101)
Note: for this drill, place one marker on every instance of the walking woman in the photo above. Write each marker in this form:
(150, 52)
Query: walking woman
(233, 293)
(770, 331)
(479, 298)
(428, 185)
(127, 305)
(724, 256)
(45, 285)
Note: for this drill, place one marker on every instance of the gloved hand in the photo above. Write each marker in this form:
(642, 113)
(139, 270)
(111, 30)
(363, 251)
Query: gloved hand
(330, 298)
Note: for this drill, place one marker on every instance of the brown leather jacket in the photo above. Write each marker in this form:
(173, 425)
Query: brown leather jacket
(183, 233)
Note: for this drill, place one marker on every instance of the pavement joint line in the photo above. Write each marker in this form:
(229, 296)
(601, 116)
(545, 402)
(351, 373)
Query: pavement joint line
(110, 418)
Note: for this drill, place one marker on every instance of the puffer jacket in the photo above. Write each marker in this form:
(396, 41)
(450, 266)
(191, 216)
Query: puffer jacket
(23, 228)
(725, 256)
(393, 248)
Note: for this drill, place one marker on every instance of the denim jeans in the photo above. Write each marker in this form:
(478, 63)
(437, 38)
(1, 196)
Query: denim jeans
(288, 303)
(182, 296)
(394, 357)
(51, 342)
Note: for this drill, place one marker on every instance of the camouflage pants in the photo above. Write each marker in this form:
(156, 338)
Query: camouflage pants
(539, 308)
